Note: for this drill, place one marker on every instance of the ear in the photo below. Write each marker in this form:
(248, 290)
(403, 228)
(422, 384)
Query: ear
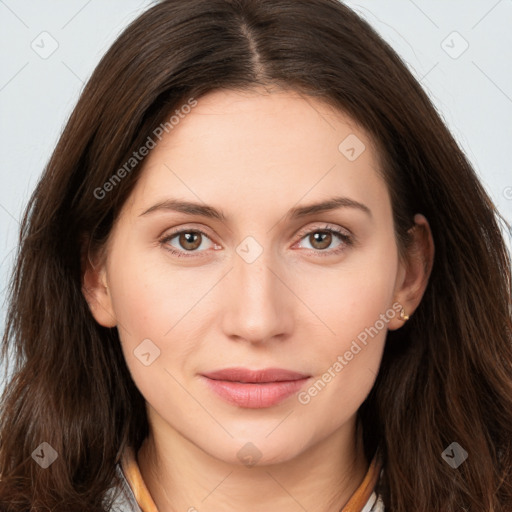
(95, 288)
(414, 273)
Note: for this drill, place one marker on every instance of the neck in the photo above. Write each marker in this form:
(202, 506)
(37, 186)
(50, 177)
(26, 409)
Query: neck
(182, 477)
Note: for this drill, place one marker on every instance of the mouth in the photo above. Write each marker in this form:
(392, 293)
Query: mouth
(255, 389)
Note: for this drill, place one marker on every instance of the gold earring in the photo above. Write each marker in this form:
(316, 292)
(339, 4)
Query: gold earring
(403, 316)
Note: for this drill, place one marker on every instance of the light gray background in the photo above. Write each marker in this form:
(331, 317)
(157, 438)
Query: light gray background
(472, 88)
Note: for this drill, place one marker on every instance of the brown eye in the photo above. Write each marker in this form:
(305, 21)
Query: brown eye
(323, 241)
(187, 242)
(320, 239)
(190, 240)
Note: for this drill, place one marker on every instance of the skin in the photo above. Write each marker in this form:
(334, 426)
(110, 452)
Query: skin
(255, 155)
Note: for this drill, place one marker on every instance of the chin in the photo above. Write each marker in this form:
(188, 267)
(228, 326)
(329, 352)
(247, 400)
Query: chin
(259, 451)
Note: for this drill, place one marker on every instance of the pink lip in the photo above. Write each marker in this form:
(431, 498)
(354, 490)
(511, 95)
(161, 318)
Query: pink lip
(255, 389)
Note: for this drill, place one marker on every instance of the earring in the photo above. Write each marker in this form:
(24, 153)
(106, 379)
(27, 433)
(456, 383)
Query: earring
(403, 316)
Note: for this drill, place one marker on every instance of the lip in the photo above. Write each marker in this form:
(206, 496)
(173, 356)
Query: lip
(255, 389)
(240, 374)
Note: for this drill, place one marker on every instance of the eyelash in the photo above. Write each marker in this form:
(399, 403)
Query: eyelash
(346, 239)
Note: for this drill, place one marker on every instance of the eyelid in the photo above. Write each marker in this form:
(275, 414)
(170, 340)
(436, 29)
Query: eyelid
(325, 226)
(169, 233)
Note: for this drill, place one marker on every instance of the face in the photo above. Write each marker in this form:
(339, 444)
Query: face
(264, 282)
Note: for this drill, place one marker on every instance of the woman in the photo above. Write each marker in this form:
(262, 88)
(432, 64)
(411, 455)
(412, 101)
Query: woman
(258, 273)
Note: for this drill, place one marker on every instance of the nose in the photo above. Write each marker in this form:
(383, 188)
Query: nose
(258, 306)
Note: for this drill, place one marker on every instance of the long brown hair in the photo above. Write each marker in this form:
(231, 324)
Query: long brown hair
(445, 377)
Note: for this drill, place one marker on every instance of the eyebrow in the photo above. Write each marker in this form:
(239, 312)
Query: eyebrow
(191, 208)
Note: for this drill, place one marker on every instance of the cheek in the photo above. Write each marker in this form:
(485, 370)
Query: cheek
(353, 298)
(157, 307)
(347, 360)
(354, 304)
(138, 304)
(150, 297)
(146, 307)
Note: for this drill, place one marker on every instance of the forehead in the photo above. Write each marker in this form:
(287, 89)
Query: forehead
(250, 149)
